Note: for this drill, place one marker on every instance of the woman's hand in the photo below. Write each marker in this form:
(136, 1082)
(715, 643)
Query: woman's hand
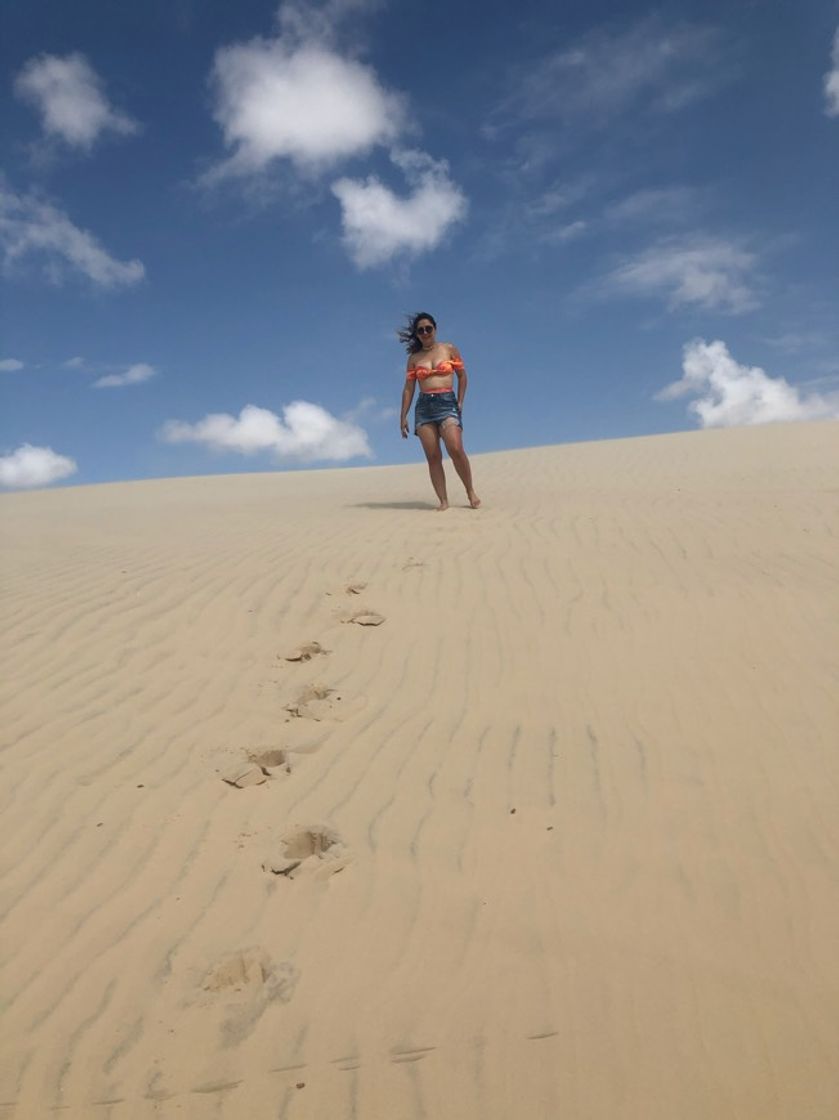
(404, 427)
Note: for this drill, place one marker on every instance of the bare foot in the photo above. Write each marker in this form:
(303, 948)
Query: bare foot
(442, 507)
(474, 500)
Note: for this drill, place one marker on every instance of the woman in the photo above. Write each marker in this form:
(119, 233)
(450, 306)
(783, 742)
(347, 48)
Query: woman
(438, 413)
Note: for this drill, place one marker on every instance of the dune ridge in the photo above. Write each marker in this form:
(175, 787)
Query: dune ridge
(553, 831)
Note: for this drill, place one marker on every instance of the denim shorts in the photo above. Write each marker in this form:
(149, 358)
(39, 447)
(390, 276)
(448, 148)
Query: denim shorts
(434, 408)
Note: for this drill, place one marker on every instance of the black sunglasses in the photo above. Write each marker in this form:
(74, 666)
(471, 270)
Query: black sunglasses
(425, 330)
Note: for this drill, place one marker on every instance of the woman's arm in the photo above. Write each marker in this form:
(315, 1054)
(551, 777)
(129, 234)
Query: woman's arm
(407, 397)
(462, 377)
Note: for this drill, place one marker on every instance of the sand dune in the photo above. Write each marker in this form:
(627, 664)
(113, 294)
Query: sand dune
(549, 830)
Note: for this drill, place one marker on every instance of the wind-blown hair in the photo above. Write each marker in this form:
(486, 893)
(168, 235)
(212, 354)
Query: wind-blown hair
(408, 333)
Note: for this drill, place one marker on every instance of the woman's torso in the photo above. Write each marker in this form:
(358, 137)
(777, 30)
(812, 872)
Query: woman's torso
(430, 359)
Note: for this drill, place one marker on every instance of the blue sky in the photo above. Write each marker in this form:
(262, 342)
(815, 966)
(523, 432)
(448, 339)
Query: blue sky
(214, 217)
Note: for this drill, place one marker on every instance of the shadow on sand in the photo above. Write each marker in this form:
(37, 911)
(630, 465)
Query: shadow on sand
(393, 505)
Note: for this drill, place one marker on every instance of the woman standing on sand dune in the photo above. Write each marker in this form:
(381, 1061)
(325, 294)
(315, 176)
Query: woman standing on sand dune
(438, 413)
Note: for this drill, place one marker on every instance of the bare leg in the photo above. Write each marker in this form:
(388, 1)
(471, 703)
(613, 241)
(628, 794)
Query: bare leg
(453, 439)
(429, 437)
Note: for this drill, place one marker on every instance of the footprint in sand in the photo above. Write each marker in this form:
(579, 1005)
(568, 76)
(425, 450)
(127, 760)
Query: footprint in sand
(257, 768)
(354, 588)
(317, 702)
(365, 618)
(412, 562)
(249, 981)
(306, 652)
(315, 850)
(245, 969)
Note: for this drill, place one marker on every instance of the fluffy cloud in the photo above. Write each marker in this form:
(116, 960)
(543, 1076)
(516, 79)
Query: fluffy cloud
(831, 80)
(378, 224)
(68, 94)
(727, 393)
(29, 225)
(34, 466)
(132, 376)
(707, 272)
(299, 100)
(306, 432)
(9, 365)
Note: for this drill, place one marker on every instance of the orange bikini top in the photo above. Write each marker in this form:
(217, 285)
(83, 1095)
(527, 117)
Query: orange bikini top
(419, 373)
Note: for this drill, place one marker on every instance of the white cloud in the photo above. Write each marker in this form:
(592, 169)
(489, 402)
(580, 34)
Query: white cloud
(831, 80)
(132, 376)
(369, 408)
(548, 203)
(29, 225)
(34, 466)
(306, 432)
(799, 342)
(727, 393)
(530, 220)
(653, 64)
(305, 19)
(568, 232)
(655, 204)
(9, 365)
(708, 272)
(74, 363)
(297, 99)
(67, 92)
(379, 225)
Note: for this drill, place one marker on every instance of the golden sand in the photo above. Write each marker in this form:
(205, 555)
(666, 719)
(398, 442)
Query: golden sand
(549, 829)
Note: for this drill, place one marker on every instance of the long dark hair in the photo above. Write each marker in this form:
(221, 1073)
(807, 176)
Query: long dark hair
(408, 333)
